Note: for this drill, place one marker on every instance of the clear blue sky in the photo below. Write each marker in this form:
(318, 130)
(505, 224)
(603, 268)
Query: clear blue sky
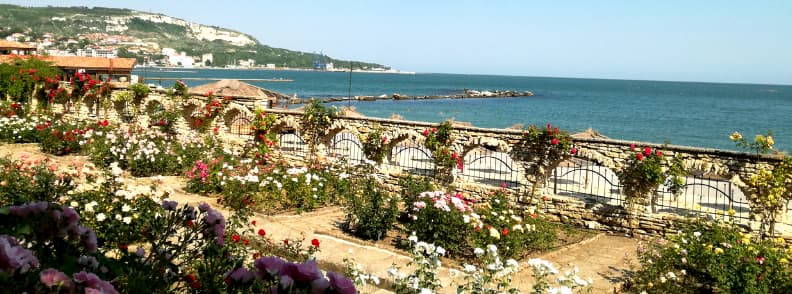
(717, 41)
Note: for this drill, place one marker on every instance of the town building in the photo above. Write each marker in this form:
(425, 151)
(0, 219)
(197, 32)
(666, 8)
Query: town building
(10, 47)
(115, 70)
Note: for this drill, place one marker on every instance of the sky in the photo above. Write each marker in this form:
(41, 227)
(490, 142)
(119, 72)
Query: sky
(708, 41)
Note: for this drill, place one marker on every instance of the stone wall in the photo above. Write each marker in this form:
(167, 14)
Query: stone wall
(612, 154)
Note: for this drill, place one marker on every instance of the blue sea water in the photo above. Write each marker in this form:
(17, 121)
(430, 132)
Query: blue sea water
(681, 113)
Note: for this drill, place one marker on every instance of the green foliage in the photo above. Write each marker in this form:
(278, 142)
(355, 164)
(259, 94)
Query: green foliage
(62, 138)
(263, 133)
(768, 191)
(709, 257)
(441, 219)
(25, 180)
(139, 90)
(547, 148)
(375, 145)
(761, 144)
(426, 262)
(165, 119)
(180, 90)
(676, 175)
(17, 125)
(643, 174)
(412, 186)
(316, 121)
(439, 141)
(20, 78)
(371, 210)
(116, 222)
(513, 234)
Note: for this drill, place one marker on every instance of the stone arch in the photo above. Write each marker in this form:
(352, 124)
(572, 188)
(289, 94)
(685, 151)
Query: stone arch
(151, 103)
(335, 128)
(488, 143)
(408, 152)
(346, 144)
(237, 119)
(492, 166)
(190, 108)
(286, 123)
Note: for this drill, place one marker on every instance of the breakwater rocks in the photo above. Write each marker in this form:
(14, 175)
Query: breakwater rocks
(466, 93)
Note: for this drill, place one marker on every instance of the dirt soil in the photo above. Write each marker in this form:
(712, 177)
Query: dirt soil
(603, 257)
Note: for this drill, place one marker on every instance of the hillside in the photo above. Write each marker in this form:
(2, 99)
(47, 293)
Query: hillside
(143, 35)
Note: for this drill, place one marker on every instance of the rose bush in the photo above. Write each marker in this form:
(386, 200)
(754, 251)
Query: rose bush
(645, 172)
(548, 148)
(514, 232)
(371, 209)
(712, 257)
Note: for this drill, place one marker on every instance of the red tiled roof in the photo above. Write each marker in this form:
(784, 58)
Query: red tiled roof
(75, 62)
(15, 45)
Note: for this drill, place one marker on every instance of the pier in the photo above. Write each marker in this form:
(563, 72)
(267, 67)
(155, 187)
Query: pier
(216, 79)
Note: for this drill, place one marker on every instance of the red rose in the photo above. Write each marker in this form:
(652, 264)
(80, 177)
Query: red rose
(261, 232)
(554, 141)
(253, 223)
(632, 146)
(505, 232)
(549, 126)
(658, 153)
(647, 150)
(315, 243)
(639, 156)
(235, 238)
(286, 241)
(246, 242)
(190, 278)
(426, 132)
(573, 151)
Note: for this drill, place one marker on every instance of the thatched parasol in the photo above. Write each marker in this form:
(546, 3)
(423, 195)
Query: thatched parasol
(237, 90)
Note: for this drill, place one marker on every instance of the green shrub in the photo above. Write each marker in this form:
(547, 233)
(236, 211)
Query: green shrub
(375, 145)
(441, 219)
(512, 233)
(412, 186)
(62, 138)
(371, 210)
(140, 91)
(316, 122)
(26, 181)
(22, 129)
(707, 257)
(644, 174)
(547, 148)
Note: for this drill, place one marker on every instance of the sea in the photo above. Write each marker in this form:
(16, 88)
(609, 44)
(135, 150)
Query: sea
(679, 113)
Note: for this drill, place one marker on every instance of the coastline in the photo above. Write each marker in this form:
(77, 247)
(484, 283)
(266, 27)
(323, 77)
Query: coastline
(192, 69)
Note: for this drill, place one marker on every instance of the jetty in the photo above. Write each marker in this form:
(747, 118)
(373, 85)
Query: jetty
(466, 93)
(276, 80)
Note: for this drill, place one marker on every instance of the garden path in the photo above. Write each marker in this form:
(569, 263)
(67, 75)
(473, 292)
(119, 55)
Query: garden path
(605, 258)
